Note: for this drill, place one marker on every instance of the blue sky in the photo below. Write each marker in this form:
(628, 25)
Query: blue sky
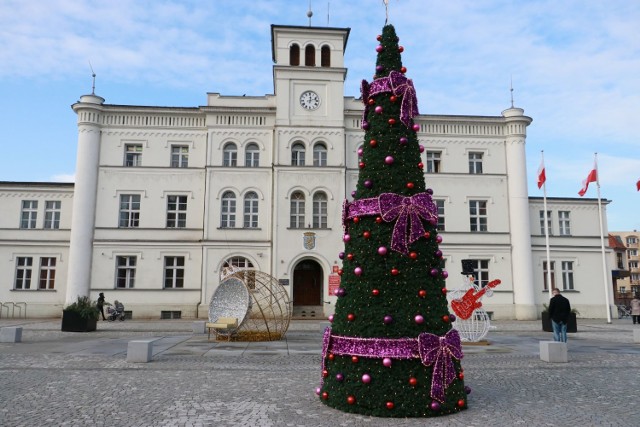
(575, 67)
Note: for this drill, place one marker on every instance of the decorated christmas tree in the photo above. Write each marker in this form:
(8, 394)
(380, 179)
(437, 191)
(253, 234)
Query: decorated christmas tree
(391, 350)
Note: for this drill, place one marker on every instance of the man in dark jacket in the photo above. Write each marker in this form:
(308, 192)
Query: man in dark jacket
(559, 311)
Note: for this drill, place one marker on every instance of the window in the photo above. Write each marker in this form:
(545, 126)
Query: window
(623, 289)
(176, 211)
(440, 204)
(297, 210)
(632, 240)
(173, 272)
(478, 215)
(620, 261)
(320, 210)
(319, 155)
(251, 210)
(294, 55)
(23, 272)
(632, 264)
(475, 163)
(228, 211)
(47, 273)
(129, 210)
(310, 56)
(29, 214)
(564, 223)
(297, 154)
(567, 275)
(125, 272)
(632, 252)
(252, 156)
(325, 56)
(237, 263)
(230, 155)
(52, 214)
(433, 162)
(133, 155)
(635, 277)
(549, 228)
(553, 275)
(481, 272)
(179, 156)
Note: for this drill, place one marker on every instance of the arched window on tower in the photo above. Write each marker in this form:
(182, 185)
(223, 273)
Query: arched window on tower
(230, 155)
(325, 56)
(320, 154)
(228, 210)
(320, 210)
(310, 56)
(294, 55)
(297, 154)
(296, 212)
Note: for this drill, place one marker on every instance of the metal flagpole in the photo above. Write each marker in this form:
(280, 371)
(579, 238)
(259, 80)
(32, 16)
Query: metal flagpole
(546, 232)
(604, 259)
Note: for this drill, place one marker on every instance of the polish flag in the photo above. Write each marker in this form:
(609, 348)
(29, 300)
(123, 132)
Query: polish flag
(638, 185)
(542, 177)
(593, 176)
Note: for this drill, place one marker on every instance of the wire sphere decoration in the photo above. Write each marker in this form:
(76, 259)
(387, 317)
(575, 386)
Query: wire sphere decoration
(265, 315)
(477, 326)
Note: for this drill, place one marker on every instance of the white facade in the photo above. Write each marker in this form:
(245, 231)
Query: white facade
(166, 196)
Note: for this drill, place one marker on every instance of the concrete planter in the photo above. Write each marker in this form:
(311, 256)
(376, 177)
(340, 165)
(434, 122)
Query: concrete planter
(572, 325)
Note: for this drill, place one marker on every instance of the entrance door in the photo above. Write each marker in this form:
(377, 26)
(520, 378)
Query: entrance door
(307, 283)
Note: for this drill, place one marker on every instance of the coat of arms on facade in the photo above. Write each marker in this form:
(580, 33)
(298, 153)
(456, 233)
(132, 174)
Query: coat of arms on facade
(309, 240)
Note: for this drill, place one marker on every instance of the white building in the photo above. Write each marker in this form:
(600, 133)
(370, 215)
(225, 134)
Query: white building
(166, 197)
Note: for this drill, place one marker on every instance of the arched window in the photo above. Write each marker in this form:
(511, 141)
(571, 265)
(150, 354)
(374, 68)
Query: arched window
(238, 263)
(252, 156)
(297, 154)
(320, 155)
(297, 210)
(294, 55)
(320, 210)
(325, 56)
(228, 210)
(251, 210)
(230, 155)
(310, 56)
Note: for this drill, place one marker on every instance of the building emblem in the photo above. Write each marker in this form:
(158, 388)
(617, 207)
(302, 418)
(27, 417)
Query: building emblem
(309, 240)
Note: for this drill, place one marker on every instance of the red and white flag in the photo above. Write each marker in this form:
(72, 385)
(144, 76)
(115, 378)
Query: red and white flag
(542, 176)
(638, 185)
(592, 177)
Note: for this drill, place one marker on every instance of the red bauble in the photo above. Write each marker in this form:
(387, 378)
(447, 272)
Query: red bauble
(392, 122)
(393, 98)
(379, 37)
(356, 219)
(413, 382)
(366, 234)
(445, 318)
(351, 317)
(325, 373)
(422, 293)
(444, 291)
(460, 403)
(421, 165)
(461, 376)
(410, 185)
(390, 405)
(340, 271)
(350, 257)
(413, 255)
(331, 356)
(400, 49)
(325, 395)
(378, 219)
(361, 165)
(427, 235)
(355, 359)
(371, 101)
(403, 70)
(373, 143)
(394, 272)
(375, 292)
(351, 400)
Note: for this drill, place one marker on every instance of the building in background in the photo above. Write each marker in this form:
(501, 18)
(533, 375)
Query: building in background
(628, 281)
(166, 198)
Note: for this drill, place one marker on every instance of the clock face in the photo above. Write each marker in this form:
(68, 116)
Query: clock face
(309, 100)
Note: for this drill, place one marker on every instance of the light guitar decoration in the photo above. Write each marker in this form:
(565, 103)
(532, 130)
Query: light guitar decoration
(470, 301)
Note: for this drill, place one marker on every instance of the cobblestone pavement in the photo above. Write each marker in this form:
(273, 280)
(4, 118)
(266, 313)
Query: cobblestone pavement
(55, 378)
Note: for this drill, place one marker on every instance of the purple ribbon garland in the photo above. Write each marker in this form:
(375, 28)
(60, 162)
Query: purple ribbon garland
(409, 211)
(429, 348)
(399, 85)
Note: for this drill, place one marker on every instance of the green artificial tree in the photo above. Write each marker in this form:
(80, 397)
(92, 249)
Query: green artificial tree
(391, 350)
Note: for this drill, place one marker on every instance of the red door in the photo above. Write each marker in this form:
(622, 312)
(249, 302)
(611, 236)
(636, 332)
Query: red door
(307, 283)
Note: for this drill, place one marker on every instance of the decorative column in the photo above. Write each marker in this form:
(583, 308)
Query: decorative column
(519, 222)
(89, 112)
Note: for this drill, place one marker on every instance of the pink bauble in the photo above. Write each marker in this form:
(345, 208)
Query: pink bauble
(386, 362)
(357, 271)
(435, 406)
(378, 110)
(331, 318)
(318, 391)
(339, 377)
(387, 320)
(360, 151)
(416, 127)
(419, 319)
(434, 272)
(389, 160)
(444, 274)
(366, 378)
(439, 239)
(346, 238)
(379, 48)
(382, 250)
(421, 148)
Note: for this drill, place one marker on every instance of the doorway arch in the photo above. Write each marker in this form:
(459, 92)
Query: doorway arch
(307, 283)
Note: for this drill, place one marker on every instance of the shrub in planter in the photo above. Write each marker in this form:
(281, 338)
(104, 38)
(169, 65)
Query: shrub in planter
(572, 324)
(80, 316)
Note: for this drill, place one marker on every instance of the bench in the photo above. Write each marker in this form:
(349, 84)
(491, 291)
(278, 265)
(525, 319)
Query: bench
(11, 334)
(222, 324)
(140, 351)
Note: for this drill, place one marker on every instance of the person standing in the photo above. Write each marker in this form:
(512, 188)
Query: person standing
(100, 305)
(559, 312)
(635, 309)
